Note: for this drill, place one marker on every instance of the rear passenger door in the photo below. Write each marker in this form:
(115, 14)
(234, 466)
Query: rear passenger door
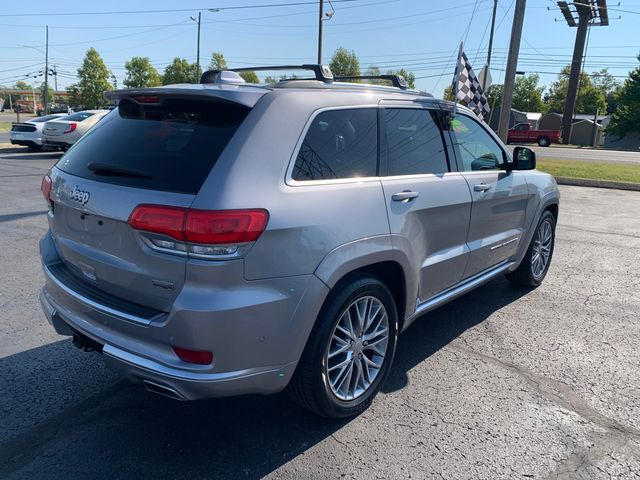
(429, 206)
(499, 195)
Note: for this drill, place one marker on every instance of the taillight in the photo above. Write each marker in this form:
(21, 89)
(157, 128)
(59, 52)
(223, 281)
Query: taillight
(71, 128)
(200, 231)
(45, 188)
(226, 226)
(159, 219)
(194, 356)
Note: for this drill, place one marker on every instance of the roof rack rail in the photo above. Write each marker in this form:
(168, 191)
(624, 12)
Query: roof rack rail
(322, 72)
(397, 81)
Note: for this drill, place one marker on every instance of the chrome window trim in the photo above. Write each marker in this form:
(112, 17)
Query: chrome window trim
(290, 181)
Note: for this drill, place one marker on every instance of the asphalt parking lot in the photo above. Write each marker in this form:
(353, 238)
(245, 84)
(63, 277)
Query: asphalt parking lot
(501, 384)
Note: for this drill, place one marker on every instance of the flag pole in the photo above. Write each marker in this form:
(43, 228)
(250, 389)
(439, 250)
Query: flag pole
(454, 84)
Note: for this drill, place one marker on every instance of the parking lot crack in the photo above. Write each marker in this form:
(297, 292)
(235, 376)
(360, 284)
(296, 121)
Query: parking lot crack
(559, 393)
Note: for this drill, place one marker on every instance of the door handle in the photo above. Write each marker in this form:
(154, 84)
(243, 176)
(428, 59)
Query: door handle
(404, 196)
(483, 187)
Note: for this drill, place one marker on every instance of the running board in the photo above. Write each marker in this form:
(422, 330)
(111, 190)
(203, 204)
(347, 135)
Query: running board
(455, 292)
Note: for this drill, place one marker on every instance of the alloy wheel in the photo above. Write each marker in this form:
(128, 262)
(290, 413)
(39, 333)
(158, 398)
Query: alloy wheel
(357, 348)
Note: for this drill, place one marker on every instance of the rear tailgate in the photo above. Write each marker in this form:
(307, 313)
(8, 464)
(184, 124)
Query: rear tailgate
(156, 153)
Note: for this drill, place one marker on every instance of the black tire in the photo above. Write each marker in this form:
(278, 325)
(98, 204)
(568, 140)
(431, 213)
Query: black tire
(524, 275)
(310, 386)
(544, 141)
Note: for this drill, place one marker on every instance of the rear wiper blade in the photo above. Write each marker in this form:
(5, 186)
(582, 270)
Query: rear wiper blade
(112, 170)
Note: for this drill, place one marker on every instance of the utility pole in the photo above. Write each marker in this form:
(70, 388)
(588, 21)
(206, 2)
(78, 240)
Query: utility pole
(198, 46)
(46, 73)
(510, 74)
(320, 15)
(198, 50)
(493, 26)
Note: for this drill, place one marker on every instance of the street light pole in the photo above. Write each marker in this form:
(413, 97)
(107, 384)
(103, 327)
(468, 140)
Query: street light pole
(46, 73)
(33, 92)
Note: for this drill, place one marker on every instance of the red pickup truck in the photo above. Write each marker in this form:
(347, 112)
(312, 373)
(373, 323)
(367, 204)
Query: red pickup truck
(523, 133)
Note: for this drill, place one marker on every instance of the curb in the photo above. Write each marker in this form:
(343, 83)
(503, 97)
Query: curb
(583, 182)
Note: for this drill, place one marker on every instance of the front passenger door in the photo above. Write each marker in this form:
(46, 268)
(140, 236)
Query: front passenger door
(499, 195)
(428, 204)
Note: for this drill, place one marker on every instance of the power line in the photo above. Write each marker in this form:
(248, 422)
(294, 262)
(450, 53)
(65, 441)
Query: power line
(174, 10)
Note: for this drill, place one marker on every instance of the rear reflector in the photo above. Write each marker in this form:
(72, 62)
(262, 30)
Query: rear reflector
(205, 227)
(71, 128)
(45, 188)
(194, 356)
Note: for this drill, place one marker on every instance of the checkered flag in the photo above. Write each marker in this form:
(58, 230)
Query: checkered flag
(467, 89)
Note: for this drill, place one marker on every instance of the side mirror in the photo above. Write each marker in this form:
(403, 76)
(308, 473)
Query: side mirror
(523, 159)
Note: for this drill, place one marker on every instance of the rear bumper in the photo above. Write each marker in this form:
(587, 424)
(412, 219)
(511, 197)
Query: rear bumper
(55, 143)
(256, 344)
(27, 139)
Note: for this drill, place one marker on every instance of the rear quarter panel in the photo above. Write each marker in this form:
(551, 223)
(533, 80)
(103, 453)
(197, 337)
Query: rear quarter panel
(307, 221)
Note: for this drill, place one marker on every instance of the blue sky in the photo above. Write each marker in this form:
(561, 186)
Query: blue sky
(420, 35)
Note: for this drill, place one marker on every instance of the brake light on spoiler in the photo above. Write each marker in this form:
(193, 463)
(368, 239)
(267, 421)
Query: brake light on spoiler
(199, 232)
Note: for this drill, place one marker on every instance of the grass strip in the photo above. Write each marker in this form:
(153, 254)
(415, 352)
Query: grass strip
(613, 172)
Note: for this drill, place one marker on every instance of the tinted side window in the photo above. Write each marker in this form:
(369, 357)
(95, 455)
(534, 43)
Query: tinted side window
(339, 144)
(478, 149)
(414, 142)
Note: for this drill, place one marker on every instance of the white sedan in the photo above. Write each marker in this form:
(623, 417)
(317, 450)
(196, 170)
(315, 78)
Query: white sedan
(64, 132)
(29, 133)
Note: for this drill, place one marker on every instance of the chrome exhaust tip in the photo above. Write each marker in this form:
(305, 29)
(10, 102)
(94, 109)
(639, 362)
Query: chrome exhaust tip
(163, 390)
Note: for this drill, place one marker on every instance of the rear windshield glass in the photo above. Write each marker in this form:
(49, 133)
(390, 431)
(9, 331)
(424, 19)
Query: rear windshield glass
(45, 118)
(77, 117)
(170, 147)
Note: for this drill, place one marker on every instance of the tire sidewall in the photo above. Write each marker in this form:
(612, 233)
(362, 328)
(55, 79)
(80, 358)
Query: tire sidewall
(547, 215)
(329, 317)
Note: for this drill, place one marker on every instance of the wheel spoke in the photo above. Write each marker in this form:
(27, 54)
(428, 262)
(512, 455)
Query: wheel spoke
(357, 348)
(340, 350)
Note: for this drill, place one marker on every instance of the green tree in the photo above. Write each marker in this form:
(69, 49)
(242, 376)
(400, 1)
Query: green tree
(447, 93)
(22, 85)
(589, 97)
(180, 71)
(93, 79)
(250, 77)
(494, 95)
(270, 79)
(74, 99)
(217, 62)
(626, 119)
(49, 94)
(527, 95)
(408, 76)
(609, 86)
(140, 73)
(344, 63)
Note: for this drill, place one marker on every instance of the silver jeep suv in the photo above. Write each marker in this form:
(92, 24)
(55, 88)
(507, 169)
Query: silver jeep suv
(224, 238)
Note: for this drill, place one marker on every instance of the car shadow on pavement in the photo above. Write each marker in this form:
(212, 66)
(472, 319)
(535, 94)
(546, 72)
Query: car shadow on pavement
(434, 330)
(115, 429)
